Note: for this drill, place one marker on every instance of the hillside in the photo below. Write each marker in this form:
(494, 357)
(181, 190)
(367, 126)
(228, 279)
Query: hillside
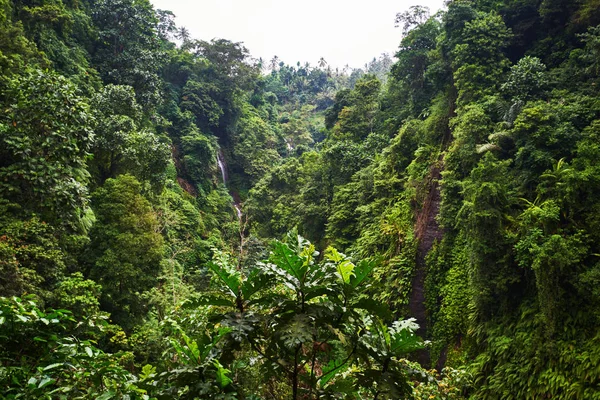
(179, 220)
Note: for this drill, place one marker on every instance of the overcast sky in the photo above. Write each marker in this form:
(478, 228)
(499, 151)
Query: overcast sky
(342, 31)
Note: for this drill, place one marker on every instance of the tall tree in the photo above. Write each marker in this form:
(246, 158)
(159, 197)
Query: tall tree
(128, 50)
(126, 248)
(45, 136)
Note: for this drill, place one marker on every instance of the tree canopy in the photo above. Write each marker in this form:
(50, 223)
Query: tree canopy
(181, 220)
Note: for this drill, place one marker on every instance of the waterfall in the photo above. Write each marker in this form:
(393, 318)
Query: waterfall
(221, 164)
(236, 198)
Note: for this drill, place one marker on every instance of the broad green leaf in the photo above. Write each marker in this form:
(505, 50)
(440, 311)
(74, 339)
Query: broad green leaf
(254, 283)
(106, 396)
(345, 268)
(282, 276)
(147, 372)
(333, 368)
(89, 351)
(212, 300)
(288, 260)
(45, 382)
(177, 346)
(297, 332)
(381, 309)
(232, 280)
(52, 366)
(361, 272)
(403, 339)
(405, 342)
(192, 350)
(222, 379)
(317, 292)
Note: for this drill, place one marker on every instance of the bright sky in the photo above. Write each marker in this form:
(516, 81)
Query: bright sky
(342, 31)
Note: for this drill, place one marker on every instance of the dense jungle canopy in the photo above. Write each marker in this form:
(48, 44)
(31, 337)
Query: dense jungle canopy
(180, 220)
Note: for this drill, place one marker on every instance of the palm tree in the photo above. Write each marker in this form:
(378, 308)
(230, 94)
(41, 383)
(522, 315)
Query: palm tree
(274, 63)
(322, 63)
(183, 34)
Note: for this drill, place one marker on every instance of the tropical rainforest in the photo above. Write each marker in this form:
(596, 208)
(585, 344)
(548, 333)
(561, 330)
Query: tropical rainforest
(180, 220)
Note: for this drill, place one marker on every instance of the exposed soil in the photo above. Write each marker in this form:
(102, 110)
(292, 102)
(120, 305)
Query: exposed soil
(428, 232)
(183, 182)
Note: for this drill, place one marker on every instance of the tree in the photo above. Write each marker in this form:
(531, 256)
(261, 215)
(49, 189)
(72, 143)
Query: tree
(203, 100)
(357, 120)
(342, 99)
(527, 80)
(411, 83)
(315, 323)
(45, 136)
(123, 144)
(16, 50)
(477, 59)
(274, 63)
(200, 158)
(31, 260)
(229, 64)
(126, 248)
(411, 18)
(128, 50)
(60, 359)
(183, 34)
(254, 144)
(166, 28)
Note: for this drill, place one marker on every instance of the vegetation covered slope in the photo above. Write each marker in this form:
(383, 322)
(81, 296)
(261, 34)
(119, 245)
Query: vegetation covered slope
(462, 186)
(482, 142)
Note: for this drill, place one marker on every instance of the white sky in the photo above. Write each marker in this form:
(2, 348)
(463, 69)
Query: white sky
(343, 32)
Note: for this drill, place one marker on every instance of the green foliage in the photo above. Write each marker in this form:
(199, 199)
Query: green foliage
(200, 98)
(15, 49)
(457, 175)
(199, 159)
(79, 295)
(311, 321)
(41, 360)
(527, 80)
(450, 294)
(357, 120)
(413, 75)
(477, 58)
(31, 259)
(123, 144)
(128, 52)
(45, 135)
(520, 350)
(126, 249)
(255, 160)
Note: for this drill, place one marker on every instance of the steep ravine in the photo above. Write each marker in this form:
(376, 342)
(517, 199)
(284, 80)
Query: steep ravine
(428, 232)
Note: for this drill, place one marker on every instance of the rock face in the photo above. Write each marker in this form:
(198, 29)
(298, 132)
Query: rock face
(428, 232)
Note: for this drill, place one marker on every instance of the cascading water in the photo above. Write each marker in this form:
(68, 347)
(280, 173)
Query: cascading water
(223, 168)
(238, 210)
(221, 164)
